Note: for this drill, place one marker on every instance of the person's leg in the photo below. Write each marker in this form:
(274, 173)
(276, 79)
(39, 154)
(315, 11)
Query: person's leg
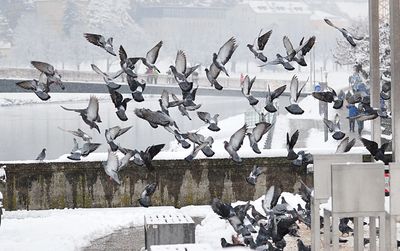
(352, 123)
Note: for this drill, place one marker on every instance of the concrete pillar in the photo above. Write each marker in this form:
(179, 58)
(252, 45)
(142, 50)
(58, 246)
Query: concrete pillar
(395, 74)
(374, 67)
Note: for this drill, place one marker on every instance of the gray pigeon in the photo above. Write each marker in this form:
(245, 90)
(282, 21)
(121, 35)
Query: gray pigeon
(212, 121)
(78, 152)
(111, 166)
(39, 87)
(334, 126)
(246, 90)
(261, 42)
(201, 144)
(257, 133)
(235, 142)
(252, 178)
(108, 79)
(349, 37)
(165, 103)
(127, 64)
(114, 132)
(42, 155)
(136, 88)
(271, 96)
(155, 118)
(295, 92)
(280, 60)
(78, 133)
(120, 103)
(151, 57)
(298, 54)
(101, 41)
(90, 115)
(345, 145)
(290, 143)
(53, 76)
(145, 197)
(181, 72)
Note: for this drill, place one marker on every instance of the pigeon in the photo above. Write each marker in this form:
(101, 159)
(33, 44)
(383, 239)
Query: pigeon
(181, 140)
(151, 57)
(39, 87)
(212, 121)
(302, 247)
(257, 49)
(219, 61)
(375, 150)
(334, 126)
(155, 118)
(136, 88)
(303, 159)
(120, 103)
(148, 155)
(42, 155)
(290, 143)
(330, 96)
(257, 133)
(78, 133)
(280, 60)
(114, 132)
(272, 96)
(3, 175)
(246, 90)
(303, 50)
(252, 178)
(345, 145)
(53, 76)
(90, 115)
(181, 107)
(343, 227)
(78, 152)
(199, 139)
(101, 41)
(127, 64)
(295, 92)
(145, 197)
(225, 244)
(271, 198)
(349, 37)
(165, 103)
(198, 148)
(111, 166)
(108, 79)
(190, 97)
(181, 71)
(235, 142)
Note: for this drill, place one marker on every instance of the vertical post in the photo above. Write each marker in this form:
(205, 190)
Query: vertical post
(374, 66)
(395, 75)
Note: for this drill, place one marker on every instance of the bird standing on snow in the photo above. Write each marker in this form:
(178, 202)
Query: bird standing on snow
(145, 197)
(101, 41)
(42, 155)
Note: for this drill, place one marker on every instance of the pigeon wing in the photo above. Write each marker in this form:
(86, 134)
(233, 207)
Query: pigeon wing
(331, 24)
(214, 71)
(294, 86)
(46, 68)
(93, 109)
(331, 125)
(371, 146)
(227, 50)
(98, 71)
(205, 116)
(289, 48)
(152, 54)
(154, 150)
(112, 162)
(261, 129)
(263, 39)
(245, 87)
(116, 98)
(277, 92)
(28, 85)
(94, 39)
(308, 45)
(237, 138)
(350, 145)
(342, 146)
(293, 139)
(180, 62)
(122, 54)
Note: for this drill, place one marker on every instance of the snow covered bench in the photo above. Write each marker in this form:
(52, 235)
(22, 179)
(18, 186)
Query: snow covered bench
(168, 228)
(182, 247)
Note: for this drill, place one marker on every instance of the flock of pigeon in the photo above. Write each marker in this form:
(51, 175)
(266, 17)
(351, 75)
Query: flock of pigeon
(279, 219)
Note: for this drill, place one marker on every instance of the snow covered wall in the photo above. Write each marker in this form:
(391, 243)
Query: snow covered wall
(84, 184)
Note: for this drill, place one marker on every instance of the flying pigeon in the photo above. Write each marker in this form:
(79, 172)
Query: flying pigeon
(252, 178)
(53, 76)
(219, 62)
(181, 107)
(235, 142)
(181, 71)
(165, 103)
(295, 92)
(90, 115)
(155, 118)
(349, 37)
(42, 155)
(345, 145)
(114, 132)
(303, 159)
(201, 144)
(246, 90)
(280, 60)
(271, 96)
(78, 133)
(78, 152)
(147, 156)
(303, 50)
(39, 87)
(111, 166)
(136, 88)
(145, 197)
(127, 64)
(257, 133)
(257, 49)
(290, 143)
(375, 150)
(101, 41)
(120, 104)
(151, 57)
(334, 126)
(108, 79)
(212, 121)
(271, 198)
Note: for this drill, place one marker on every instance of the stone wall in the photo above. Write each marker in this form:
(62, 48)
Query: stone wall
(85, 184)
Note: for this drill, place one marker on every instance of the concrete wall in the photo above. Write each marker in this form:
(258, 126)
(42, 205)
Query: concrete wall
(85, 184)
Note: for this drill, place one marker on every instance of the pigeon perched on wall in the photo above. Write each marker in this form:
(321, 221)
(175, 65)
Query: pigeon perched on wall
(42, 155)
(255, 172)
(349, 37)
(271, 96)
(295, 92)
(101, 41)
(334, 126)
(78, 133)
(108, 79)
(112, 133)
(212, 121)
(145, 197)
(375, 150)
(345, 145)
(290, 143)
(257, 48)
(90, 115)
(257, 133)
(246, 90)
(120, 103)
(40, 87)
(53, 76)
(235, 142)
(111, 166)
